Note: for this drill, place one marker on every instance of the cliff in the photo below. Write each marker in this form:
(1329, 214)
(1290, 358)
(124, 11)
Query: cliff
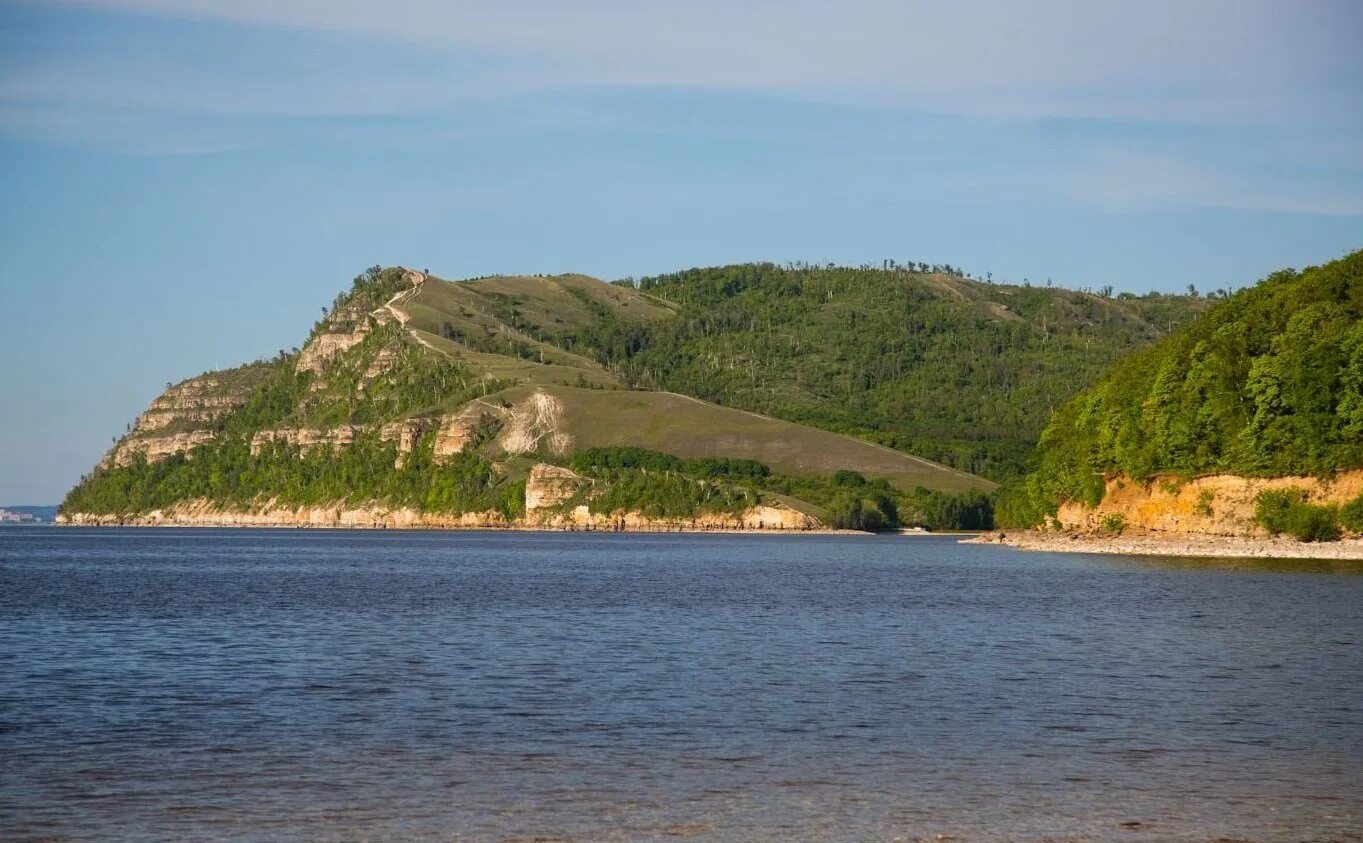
(1216, 505)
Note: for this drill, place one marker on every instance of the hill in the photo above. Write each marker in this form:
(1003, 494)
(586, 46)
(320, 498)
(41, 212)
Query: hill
(1256, 405)
(452, 402)
(922, 359)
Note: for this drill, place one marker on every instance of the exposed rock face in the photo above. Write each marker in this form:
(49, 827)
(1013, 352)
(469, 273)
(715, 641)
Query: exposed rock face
(155, 447)
(382, 362)
(551, 485)
(323, 347)
(305, 438)
(464, 429)
(538, 419)
(406, 433)
(1219, 505)
(348, 326)
(200, 401)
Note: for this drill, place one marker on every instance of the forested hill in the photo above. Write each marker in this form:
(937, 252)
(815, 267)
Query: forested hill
(1267, 383)
(442, 397)
(924, 360)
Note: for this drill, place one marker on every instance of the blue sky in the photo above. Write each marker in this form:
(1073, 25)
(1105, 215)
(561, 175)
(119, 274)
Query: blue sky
(188, 181)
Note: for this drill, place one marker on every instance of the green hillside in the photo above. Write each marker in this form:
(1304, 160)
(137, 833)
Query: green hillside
(956, 370)
(439, 395)
(1267, 383)
(404, 364)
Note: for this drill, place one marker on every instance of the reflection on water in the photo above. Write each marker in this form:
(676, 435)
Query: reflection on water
(340, 686)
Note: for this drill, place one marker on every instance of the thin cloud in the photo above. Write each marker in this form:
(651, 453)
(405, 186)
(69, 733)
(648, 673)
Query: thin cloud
(1227, 60)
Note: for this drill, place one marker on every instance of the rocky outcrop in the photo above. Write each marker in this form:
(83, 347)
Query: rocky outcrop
(323, 347)
(305, 438)
(465, 429)
(195, 402)
(155, 448)
(406, 433)
(550, 486)
(382, 362)
(536, 420)
(348, 326)
(1218, 505)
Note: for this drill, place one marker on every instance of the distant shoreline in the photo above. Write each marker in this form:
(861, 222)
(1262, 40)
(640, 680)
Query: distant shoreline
(1190, 545)
(431, 528)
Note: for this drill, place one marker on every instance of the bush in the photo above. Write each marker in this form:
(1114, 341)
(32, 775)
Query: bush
(1351, 515)
(1286, 511)
(1317, 524)
(1204, 503)
(1114, 523)
(844, 477)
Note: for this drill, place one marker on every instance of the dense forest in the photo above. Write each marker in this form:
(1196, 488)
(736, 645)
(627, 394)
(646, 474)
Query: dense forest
(960, 371)
(1267, 383)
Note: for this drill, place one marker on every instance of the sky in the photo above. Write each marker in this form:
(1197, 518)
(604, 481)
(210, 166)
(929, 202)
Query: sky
(187, 182)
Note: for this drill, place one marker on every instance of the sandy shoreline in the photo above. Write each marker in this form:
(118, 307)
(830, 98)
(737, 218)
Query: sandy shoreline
(1152, 544)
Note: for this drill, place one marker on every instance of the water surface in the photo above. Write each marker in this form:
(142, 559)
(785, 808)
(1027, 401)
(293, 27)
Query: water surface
(235, 684)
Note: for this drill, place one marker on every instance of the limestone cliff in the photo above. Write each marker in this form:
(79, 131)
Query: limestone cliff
(186, 414)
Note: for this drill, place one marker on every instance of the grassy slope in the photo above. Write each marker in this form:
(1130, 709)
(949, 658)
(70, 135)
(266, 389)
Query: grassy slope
(689, 427)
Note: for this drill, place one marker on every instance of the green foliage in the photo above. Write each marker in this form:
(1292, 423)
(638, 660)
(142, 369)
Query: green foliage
(959, 371)
(1286, 511)
(226, 473)
(1351, 515)
(638, 479)
(668, 495)
(1114, 523)
(1204, 503)
(848, 478)
(1269, 382)
(409, 380)
(935, 510)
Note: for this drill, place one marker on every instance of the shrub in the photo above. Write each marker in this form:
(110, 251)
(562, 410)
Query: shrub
(846, 477)
(1204, 502)
(1286, 511)
(1114, 523)
(1317, 524)
(1351, 515)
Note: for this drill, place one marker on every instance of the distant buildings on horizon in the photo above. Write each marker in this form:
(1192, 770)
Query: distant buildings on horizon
(27, 515)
